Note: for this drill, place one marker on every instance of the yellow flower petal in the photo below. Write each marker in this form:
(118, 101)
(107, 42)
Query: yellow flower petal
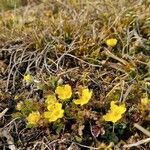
(111, 42)
(112, 116)
(28, 78)
(33, 118)
(78, 101)
(115, 113)
(47, 114)
(56, 115)
(51, 99)
(64, 92)
(144, 105)
(145, 101)
(55, 112)
(86, 95)
(55, 106)
(121, 108)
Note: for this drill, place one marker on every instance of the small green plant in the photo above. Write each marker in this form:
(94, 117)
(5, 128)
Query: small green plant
(53, 104)
(9, 4)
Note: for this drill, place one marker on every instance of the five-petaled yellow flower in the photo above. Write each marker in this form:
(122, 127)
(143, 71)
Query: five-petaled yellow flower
(28, 78)
(115, 113)
(85, 96)
(111, 42)
(33, 118)
(64, 92)
(54, 112)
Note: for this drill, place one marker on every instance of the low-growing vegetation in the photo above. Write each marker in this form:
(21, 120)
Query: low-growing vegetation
(75, 74)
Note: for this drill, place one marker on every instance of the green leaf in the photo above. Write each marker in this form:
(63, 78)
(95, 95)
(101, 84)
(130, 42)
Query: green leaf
(78, 139)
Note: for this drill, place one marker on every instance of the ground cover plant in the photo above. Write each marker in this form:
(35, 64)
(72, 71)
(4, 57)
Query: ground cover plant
(75, 74)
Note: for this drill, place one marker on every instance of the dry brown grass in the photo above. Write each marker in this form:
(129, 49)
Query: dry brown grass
(66, 39)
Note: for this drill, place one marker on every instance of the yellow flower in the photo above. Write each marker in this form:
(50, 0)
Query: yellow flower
(33, 118)
(28, 78)
(145, 104)
(85, 96)
(145, 101)
(51, 99)
(111, 42)
(115, 113)
(54, 112)
(64, 92)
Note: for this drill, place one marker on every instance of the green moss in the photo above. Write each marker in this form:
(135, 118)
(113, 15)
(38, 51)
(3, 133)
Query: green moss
(9, 4)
